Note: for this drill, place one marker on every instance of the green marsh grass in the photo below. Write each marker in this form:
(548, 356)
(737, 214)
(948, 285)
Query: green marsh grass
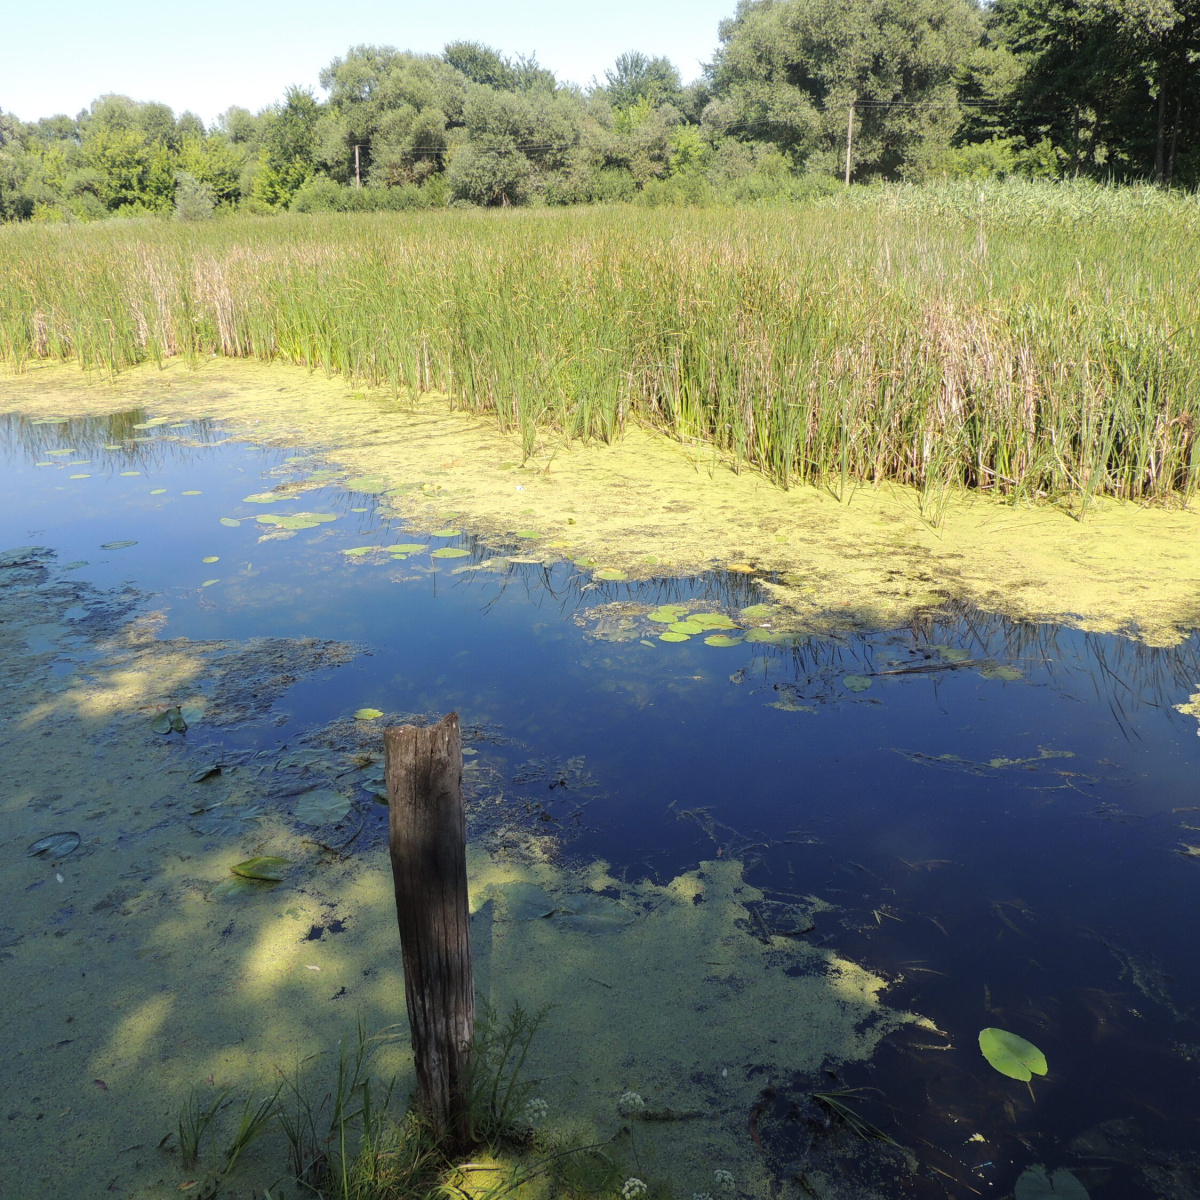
(1032, 342)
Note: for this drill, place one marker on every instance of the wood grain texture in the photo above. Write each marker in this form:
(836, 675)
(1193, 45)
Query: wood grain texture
(429, 868)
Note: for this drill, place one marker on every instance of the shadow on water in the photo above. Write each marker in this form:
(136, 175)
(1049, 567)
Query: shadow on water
(996, 816)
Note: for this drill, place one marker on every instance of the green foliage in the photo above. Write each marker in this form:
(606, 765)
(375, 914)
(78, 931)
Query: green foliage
(636, 77)
(496, 1088)
(194, 200)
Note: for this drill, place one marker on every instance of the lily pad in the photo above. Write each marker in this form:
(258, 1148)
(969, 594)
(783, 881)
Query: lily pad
(857, 683)
(758, 612)
(449, 552)
(84, 475)
(722, 639)
(446, 533)
(359, 551)
(668, 636)
(768, 637)
(163, 492)
(668, 614)
(407, 548)
(369, 485)
(55, 845)
(229, 522)
(527, 533)
(191, 713)
(321, 806)
(199, 776)
(209, 582)
(1012, 1055)
(1008, 674)
(611, 575)
(713, 620)
(212, 558)
(688, 627)
(170, 720)
(192, 492)
(261, 498)
(118, 545)
(57, 452)
(526, 902)
(367, 714)
(264, 866)
(1036, 1184)
(592, 914)
(129, 474)
(952, 653)
(235, 884)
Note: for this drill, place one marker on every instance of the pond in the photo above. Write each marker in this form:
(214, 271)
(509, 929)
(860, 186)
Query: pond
(998, 819)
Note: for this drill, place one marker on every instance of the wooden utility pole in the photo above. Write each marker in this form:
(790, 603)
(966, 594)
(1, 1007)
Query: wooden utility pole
(427, 827)
(357, 167)
(849, 140)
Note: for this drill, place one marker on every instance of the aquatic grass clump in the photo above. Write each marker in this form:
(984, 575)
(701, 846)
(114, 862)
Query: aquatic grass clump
(1034, 343)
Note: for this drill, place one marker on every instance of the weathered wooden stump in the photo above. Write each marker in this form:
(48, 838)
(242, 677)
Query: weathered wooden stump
(427, 828)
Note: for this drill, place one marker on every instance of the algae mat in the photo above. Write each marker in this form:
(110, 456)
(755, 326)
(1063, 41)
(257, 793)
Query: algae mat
(132, 974)
(649, 505)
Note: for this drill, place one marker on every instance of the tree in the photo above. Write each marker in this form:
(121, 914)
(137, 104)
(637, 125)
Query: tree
(788, 71)
(636, 77)
(288, 144)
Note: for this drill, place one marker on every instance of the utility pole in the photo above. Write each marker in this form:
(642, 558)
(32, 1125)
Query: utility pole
(357, 167)
(849, 140)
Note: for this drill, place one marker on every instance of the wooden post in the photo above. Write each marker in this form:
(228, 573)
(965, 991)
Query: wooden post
(357, 167)
(427, 828)
(849, 139)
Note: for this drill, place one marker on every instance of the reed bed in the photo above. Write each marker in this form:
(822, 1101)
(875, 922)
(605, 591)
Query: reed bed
(937, 339)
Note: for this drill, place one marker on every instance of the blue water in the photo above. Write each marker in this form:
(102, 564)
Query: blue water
(1046, 895)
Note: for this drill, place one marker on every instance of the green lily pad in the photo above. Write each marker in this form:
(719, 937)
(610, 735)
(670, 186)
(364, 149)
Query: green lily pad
(611, 575)
(161, 723)
(210, 582)
(1008, 674)
(446, 533)
(1036, 1184)
(407, 548)
(79, 476)
(261, 498)
(688, 627)
(54, 845)
(367, 714)
(527, 533)
(191, 713)
(592, 914)
(192, 492)
(525, 902)
(758, 612)
(857, 683)
(767, 637)
(212, 558)
(321, 806)
(449, 552)
(668, 636)
(118, 545)
(952, 653)
(721, 639)
(153, 423)
(230, 522)
(161, 492)
(264, 866)
(58, 452)
(291, 521)
(369, 485)
(668, 614)
(713, 620)
(170, 720)
(235, 884)
(1012, 1055)
(129, 474)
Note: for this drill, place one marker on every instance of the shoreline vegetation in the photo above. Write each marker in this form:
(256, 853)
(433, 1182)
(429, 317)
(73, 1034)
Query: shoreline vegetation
(1032, 342)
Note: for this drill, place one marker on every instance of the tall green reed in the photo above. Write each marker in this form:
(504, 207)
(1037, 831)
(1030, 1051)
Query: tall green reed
(1040, 343)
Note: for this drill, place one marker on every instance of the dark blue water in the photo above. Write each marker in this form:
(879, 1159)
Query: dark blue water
(1007, 849)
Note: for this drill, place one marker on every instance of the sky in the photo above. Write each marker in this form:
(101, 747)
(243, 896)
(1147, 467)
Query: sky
(207, 56)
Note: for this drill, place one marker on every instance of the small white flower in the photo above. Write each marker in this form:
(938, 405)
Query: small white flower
(630, 1102)
(724, 1180)
(535, 1110)
(632, 1188)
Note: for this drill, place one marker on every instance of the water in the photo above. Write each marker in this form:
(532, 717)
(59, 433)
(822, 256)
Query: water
(1006, 849)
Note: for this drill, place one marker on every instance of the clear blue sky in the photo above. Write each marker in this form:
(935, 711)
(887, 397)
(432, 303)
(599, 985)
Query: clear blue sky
(209, 54)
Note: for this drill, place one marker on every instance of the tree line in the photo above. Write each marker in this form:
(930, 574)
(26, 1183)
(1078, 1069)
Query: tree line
(799, 93)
